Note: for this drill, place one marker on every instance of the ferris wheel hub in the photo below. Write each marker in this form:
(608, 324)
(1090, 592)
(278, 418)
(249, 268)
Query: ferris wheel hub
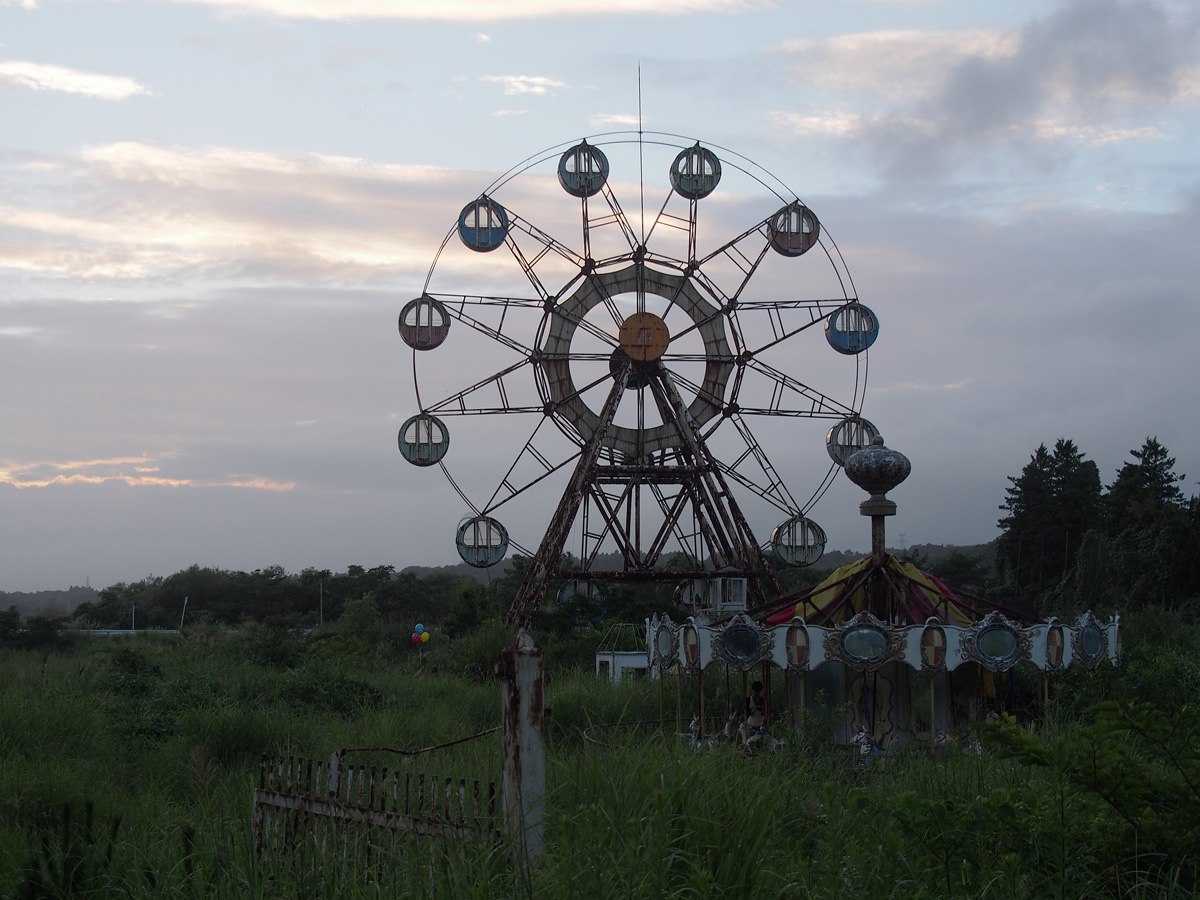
(644, 337)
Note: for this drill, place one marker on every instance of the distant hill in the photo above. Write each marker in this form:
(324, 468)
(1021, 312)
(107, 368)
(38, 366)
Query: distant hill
(831, 559)
(938, 552)
(48, 601)
(483, 576)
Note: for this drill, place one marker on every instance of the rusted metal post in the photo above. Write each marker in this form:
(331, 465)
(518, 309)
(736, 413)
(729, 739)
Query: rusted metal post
(523, 717)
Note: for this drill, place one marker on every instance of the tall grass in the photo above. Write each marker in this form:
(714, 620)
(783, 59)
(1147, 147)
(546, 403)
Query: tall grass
(163, 739)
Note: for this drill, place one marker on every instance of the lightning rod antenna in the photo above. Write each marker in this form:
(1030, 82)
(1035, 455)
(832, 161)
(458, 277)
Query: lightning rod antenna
(641, 172)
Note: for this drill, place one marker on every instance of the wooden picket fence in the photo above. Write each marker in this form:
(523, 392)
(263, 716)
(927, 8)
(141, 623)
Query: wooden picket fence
(342, 819)
(311, 813)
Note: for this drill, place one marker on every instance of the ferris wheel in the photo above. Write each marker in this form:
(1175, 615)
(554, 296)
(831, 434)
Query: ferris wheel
(647, 351)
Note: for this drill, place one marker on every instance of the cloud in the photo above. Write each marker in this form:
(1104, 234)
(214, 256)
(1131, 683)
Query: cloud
(44, 474)
(1094, 135)
(923, 103)
(132, 210)
(481, 38)
(39, 77)
(607, 120)
(478, 10)
(837, 123)
(524, 84)
(891, 64)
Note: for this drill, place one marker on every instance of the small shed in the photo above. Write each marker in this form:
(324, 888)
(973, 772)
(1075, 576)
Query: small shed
(621, 654)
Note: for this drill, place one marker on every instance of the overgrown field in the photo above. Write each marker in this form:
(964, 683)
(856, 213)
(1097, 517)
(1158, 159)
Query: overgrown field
(127, 768)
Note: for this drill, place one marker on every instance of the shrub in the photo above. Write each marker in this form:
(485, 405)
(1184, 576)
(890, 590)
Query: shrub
(132, 671)
(275, 647)
(320, 685)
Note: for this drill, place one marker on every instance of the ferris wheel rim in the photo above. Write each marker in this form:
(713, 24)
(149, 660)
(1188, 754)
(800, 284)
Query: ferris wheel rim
(736, 161)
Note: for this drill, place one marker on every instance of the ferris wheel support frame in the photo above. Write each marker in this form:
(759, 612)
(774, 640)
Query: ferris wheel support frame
(659, 492)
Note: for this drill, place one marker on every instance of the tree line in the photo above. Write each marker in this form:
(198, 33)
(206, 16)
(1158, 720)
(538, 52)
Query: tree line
(395, 601)
(1076, 545)
(272, 595)
(1066, 541)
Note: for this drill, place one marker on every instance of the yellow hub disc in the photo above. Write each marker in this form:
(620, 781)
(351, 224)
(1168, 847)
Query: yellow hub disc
(644, 337)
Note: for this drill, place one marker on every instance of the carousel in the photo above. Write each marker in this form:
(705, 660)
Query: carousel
(880, 654)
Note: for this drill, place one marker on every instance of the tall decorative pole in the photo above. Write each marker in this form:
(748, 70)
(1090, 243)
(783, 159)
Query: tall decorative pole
(877, 470)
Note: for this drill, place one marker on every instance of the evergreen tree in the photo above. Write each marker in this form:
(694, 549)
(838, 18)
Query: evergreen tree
(1146, 491)
(1050, 505)
(1152, 529)
(1076, 485)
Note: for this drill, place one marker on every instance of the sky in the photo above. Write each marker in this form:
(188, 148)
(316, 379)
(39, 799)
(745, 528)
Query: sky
(212, 212)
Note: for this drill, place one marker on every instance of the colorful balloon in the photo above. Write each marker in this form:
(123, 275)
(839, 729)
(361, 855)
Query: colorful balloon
(424, 637)
(420, 628)
(416, 638)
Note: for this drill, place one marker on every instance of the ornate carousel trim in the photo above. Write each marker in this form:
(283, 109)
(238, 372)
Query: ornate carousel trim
(865, 653)
(743, 643)
(933, 653)
(663, 628)
(1006, 643)
(1089, 634)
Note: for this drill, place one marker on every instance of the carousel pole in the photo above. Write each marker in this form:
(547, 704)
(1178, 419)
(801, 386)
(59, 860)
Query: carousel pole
(932, 708)
(788, 697)
(877, 470)
(745, 692)
(662, 699)
(766, 681)
(728, 695)
(803, 693)
(679, 700)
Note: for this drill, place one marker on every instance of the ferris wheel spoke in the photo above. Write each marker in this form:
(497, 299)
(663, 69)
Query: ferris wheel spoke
(746, 259)
(546, 245)
(609, 304)
(803, 400)
(818, 313)
(677, 223)
(512, 485)
(549, 243)
(786, 506)
(579, 392)
(457, 305)
(453, 301)
(700, 323)
(770, 485)
(826, 484)
(614, 216)
(822, 307)
(456, 404)
(756, 228)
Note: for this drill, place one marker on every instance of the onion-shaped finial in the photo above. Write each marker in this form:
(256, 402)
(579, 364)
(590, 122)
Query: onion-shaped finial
(877, 469)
